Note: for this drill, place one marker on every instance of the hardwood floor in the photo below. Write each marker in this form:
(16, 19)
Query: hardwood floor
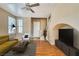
(43, 48)
(38, 48)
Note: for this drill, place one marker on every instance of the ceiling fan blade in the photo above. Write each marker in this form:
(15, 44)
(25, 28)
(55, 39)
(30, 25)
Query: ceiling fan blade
(32, 10)
(33, 5)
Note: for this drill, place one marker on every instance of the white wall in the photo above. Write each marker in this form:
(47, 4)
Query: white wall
(67, 14)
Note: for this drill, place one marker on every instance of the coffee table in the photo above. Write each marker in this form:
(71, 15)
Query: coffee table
(20, 47)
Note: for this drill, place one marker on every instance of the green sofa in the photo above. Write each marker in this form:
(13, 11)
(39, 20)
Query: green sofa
(6, 44)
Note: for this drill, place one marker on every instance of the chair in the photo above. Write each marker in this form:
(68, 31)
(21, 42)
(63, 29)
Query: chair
(26, 37)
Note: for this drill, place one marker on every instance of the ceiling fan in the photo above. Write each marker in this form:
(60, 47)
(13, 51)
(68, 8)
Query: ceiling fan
(29, 6)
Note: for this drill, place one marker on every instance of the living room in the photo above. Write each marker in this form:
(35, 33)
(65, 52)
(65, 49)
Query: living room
(46, 16)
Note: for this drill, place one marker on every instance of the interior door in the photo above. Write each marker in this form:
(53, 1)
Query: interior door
(36, 29)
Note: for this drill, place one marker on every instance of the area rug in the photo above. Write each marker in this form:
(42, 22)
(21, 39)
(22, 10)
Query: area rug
(30, 51)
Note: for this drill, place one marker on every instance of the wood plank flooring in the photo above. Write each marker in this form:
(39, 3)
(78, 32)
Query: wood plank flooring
(38, 48)
(43, 48)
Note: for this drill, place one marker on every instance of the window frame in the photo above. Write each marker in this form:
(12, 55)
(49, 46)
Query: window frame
(10, 32)
(20, 26)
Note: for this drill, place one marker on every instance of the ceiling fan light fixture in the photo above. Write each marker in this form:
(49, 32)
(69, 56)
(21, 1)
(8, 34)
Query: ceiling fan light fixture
(29, 6)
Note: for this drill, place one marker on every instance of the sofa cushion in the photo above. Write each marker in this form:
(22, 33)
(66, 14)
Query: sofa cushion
(1, 37)
(4, 39)
(6, 46)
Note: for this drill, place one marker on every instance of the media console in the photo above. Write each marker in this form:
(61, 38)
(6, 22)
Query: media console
(68, 50)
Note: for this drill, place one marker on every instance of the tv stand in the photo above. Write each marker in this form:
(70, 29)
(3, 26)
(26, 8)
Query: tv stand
(68, 50)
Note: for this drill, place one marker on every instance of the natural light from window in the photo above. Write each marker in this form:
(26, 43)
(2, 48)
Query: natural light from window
(20, 25)
(11, 21)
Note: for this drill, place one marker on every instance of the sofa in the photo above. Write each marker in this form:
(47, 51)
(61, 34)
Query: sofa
(6, 44)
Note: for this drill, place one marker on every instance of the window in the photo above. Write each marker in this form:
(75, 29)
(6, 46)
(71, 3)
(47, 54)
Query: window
(20, 25)
(11, 21)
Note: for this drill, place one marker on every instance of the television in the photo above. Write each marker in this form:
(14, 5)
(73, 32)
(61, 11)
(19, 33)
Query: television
(66, 36)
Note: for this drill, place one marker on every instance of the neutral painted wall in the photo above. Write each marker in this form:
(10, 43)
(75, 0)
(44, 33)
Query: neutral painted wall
(27, 25)
(43, 24)
(4, 22)
(67, 14)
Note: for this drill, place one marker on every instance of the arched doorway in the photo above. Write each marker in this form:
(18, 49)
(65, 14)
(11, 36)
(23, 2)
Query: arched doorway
(60, 26)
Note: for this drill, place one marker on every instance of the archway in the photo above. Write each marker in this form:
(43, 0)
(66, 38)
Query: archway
(60, 26)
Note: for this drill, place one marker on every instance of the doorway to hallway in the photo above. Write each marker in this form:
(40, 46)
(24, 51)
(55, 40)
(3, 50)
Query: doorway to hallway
(38, 26)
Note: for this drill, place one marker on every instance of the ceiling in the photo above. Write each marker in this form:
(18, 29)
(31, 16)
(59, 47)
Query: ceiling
(43, 10)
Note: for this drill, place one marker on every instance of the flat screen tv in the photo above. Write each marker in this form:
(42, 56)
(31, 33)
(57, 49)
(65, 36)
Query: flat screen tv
(66, 36)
